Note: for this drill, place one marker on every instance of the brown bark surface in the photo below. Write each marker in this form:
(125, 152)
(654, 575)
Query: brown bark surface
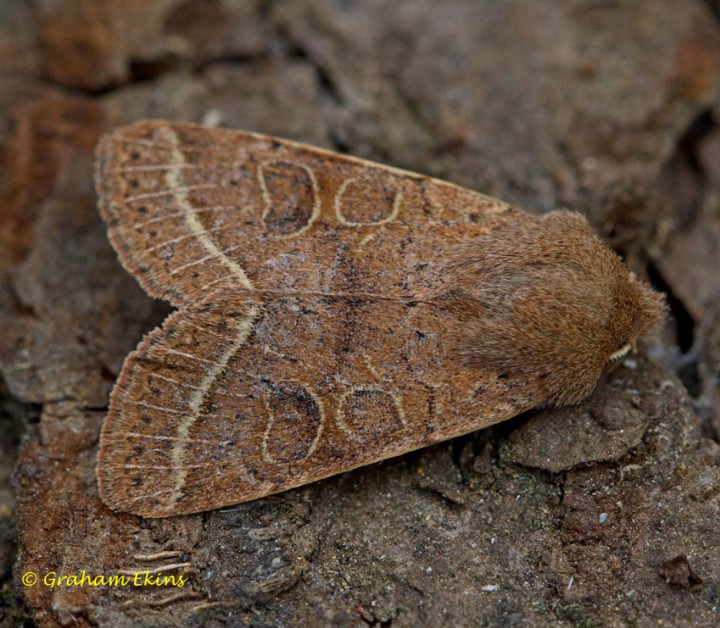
(601, 514)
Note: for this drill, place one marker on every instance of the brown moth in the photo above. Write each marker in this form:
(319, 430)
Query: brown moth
(331, 313)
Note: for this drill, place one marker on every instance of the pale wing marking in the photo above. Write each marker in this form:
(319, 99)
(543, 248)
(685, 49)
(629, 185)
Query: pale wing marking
(243, 327)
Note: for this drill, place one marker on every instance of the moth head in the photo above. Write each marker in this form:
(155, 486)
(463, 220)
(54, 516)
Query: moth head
(546, 299)
(637, 311)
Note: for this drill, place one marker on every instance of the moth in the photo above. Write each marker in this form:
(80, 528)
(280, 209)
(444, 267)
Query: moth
(331, 313)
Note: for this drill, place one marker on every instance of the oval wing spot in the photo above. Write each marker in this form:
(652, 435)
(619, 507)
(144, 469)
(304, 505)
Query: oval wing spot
(291, 199)
(367, 412)
(361, 202)
(295, 423)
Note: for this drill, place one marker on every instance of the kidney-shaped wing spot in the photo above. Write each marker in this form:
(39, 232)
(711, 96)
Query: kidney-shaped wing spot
(291, 197)
(295, 422)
